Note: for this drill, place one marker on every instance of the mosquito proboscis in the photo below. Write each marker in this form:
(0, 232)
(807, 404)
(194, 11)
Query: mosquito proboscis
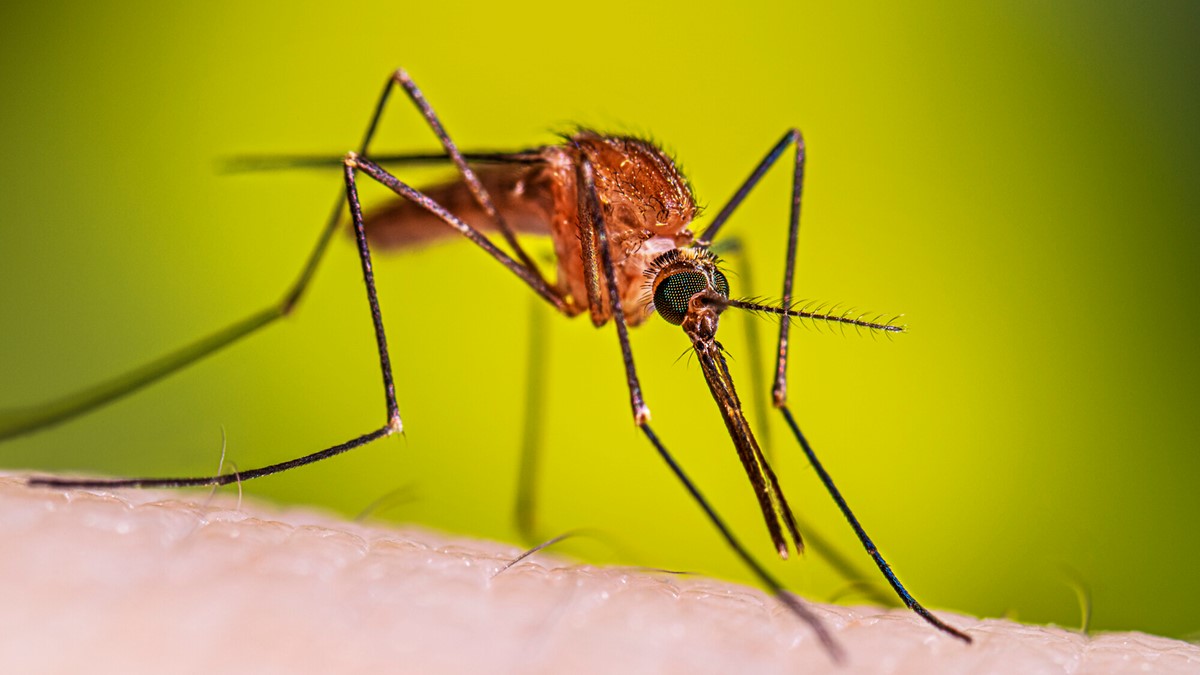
(618, 211)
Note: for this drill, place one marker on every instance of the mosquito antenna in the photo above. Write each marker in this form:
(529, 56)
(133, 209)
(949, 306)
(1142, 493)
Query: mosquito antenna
(833, 310)
(822, 309)
(821, 314)
(876, 320)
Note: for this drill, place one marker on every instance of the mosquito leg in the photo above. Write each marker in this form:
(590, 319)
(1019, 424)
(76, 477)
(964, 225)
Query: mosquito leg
(767, 579)
(706, 238)
(884, 567)
(531, 436)
(392, 426)
(780, 394)
(17, 422)
(401, 78)
(590, 213)
(22, 421)
(779, 391)
(353, 163)
(734, 247)
(590, 208)
(710, 233)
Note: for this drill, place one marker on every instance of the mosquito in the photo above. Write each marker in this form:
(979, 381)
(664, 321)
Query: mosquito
(618, 211)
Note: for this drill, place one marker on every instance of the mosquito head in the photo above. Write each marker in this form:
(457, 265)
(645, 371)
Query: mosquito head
(677, 276)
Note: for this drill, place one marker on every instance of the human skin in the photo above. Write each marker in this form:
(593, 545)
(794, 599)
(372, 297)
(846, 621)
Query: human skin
(141, 581)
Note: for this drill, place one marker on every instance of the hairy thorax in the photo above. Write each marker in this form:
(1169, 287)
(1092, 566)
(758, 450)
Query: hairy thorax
(647, 206)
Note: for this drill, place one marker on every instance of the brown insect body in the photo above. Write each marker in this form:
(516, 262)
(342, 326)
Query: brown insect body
(646, 201)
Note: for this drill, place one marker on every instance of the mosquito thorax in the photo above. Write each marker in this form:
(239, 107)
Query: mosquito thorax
(677, 276)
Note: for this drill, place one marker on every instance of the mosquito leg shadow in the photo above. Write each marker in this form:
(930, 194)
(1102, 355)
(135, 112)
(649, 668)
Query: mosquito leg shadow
(525, 508)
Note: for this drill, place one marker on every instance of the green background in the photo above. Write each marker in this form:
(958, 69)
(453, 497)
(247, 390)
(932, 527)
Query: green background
(1019, 180)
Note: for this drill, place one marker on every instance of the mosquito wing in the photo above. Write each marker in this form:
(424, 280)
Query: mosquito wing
(521, 192)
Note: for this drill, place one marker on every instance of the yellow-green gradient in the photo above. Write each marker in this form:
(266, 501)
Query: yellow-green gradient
(1019, 180)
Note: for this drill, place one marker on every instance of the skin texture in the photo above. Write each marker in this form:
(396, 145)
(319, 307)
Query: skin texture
(141, 581)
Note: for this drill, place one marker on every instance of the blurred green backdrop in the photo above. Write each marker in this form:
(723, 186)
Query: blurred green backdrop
(1019, 180)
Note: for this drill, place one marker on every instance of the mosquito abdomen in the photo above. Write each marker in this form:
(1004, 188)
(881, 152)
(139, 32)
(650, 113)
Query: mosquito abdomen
(520, 193)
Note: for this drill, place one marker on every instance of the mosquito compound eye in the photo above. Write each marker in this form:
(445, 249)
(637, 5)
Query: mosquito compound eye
(721, 283)
(673, 293)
